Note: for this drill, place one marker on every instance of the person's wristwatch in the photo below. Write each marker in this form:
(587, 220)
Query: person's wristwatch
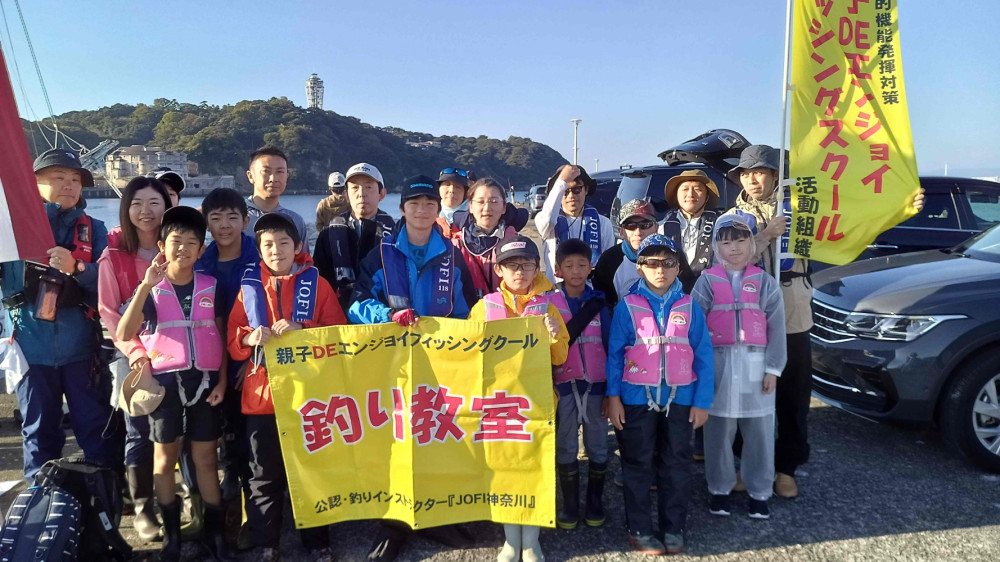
(79, 267)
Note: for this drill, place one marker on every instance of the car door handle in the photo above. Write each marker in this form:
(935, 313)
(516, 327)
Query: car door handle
(882, 247)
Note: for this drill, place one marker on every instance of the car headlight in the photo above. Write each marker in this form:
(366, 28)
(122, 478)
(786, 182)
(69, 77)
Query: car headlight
(893, 327)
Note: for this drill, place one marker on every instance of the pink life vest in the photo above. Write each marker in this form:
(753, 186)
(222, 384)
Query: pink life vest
(178, 343)
(586, 357)
(657, 356)
(496, 308)
(750, 325)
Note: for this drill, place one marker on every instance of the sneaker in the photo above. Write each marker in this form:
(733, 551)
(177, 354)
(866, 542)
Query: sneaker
(718, 504)
(388, 541)
(740, 486)
(647, 544)
(674, 544)
(758, 509)
(784, 486)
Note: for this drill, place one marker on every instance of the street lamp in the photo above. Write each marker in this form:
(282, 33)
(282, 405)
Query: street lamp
(597, 164)
(576, 127)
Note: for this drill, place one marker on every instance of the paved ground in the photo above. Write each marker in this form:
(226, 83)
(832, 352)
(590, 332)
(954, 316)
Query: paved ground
(870, 492)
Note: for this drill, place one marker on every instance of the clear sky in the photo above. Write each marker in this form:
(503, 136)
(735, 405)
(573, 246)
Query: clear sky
(642, 76)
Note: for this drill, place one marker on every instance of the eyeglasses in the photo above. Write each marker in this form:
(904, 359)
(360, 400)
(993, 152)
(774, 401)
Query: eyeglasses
(654, 263)
(459, 171)
(492, 201)
(640, 224)
(525, 267)
(574, 191)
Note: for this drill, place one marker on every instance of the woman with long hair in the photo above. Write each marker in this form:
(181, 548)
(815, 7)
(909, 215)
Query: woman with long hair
(121, 268)
(490, 219)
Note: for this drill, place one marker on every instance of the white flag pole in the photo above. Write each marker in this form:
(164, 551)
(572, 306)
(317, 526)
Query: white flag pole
(785, 88)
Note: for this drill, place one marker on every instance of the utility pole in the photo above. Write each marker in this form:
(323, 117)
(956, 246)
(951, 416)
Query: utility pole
(576, 127)
(597, 164)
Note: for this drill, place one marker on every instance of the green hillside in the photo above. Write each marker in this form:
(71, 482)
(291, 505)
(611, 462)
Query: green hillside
(317, 142)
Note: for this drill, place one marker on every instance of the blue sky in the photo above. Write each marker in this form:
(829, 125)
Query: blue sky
(643, 76)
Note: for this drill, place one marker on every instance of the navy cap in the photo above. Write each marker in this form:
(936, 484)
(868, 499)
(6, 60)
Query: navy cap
(457, 175)
(277, 220)
(516, 247)
(170, 178)
(654, 241)
(758, 156)
(63, 158)
(417, 186)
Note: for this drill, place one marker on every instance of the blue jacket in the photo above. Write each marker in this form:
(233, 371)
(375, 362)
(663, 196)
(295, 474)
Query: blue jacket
(699, 393)
(369, 301)
(71, 337)
(228, 282)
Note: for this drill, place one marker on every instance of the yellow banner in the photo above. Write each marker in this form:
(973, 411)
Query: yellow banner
(851, 147)
(446, 422)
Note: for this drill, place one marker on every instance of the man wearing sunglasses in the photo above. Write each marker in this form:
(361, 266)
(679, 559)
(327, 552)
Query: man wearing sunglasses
(615, 272)
(453, 183)
(565, 215)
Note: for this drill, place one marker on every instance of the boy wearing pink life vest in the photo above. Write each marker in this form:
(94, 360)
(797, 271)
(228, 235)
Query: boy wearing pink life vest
(182, 336)
(661, 378)
(580, 386)
(746, 320)
(524, 291)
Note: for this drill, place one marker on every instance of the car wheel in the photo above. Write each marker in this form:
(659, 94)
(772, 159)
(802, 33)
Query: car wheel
(970, 413)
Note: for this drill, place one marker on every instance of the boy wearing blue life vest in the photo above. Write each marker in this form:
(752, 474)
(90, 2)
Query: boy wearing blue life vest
(268, 306)
(182, 335)
(524, 291)
(581, 384)
(660, 386)
(414, 272)
(746, 320)
(226, 258)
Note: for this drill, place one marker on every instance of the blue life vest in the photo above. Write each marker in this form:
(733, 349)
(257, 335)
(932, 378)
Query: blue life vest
(591, 231)
(397, 278)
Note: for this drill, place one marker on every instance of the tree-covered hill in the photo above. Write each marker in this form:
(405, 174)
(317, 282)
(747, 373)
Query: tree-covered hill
(317, 142)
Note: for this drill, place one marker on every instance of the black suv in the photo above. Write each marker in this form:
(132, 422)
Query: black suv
(916, 338)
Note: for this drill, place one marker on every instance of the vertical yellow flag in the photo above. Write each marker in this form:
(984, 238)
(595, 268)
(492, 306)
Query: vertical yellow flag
(851, 147)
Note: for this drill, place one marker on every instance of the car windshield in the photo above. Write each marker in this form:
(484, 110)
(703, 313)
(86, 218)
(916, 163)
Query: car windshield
(984, 246)
(635, 187)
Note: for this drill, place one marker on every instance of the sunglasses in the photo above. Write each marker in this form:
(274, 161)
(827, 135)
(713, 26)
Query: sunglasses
(459, 171)
(639, 224)
(574, 191)
(654, 263)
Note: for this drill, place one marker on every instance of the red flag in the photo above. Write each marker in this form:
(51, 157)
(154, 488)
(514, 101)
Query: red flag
(24, 227)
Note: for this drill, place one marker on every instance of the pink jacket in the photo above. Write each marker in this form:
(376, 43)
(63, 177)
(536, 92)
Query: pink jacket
(110, 299)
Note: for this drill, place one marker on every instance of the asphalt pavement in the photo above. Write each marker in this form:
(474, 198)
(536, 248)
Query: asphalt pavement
(870, 492)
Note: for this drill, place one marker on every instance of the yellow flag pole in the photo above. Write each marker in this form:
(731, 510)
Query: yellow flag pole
(785, 88)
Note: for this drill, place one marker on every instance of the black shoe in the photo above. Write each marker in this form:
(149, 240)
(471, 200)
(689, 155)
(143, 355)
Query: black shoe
(569, 482)
(758, 509)
(593, 514)
(452, 536)
(387, 543)
(171, 550)
(718, 504)
(214, 539)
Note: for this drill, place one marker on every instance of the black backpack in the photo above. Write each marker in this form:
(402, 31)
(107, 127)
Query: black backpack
(73, 511)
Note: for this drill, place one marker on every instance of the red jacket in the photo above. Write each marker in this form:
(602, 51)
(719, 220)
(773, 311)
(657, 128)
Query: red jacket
(327, 313)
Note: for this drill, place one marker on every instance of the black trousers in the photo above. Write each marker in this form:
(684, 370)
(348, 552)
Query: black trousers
(792, 405)
(234, 453)
(654, 445)
(267, 487)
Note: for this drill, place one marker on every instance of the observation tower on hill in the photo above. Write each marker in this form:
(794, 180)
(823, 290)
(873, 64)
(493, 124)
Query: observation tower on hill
(314, 92)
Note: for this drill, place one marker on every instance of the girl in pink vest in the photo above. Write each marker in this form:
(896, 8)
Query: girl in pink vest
(183, 340)
(524, 291)
(746, 320)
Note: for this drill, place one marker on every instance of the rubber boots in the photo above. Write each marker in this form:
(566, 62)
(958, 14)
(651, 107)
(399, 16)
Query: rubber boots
(593, 514)
(171, 550)
(569, 481)
(214, 541)
(140, 486)
(195, 526)
(511, 551)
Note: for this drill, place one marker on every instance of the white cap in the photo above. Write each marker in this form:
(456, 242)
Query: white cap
(336, 179)
(364, 170)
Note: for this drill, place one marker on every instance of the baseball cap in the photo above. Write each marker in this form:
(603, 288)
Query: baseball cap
(63, 158)
(654, 241)
(364, 169)
(271, 221)
(453, 175)
(516, 247)
(336, 180)
(636, 208)
(171, 179)
(416, 186)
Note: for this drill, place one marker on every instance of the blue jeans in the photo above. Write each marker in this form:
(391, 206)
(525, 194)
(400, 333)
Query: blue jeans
(40, 399)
